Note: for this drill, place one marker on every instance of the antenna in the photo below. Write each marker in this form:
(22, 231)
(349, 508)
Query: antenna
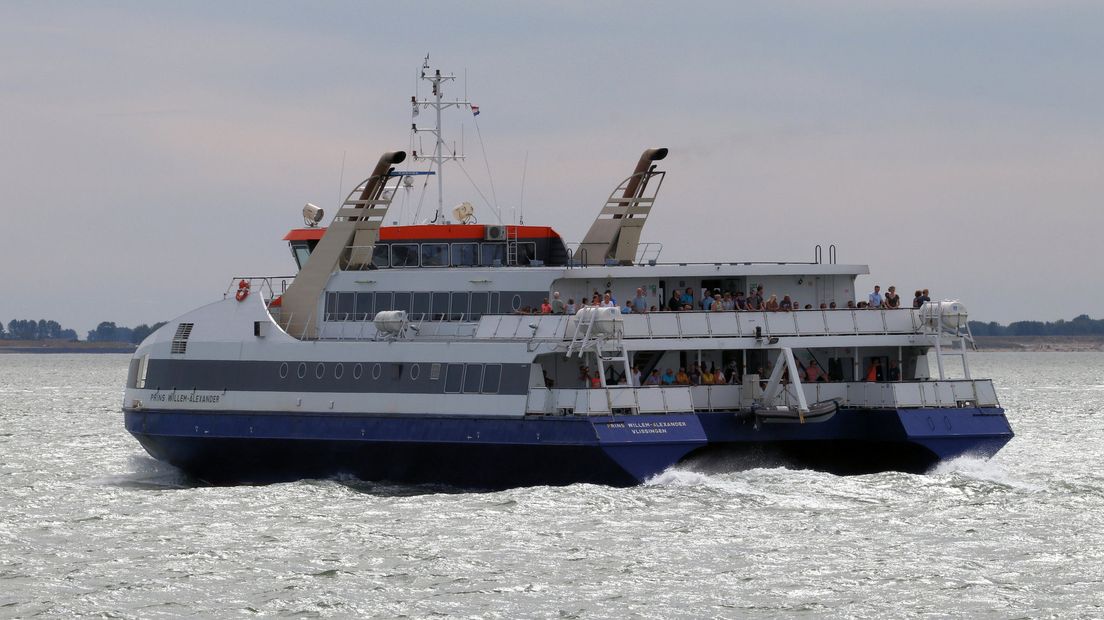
(341, 177)
(437, 104)
(521, 203)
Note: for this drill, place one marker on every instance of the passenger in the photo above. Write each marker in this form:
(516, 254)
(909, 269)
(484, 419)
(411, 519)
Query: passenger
(584, 376)
(612, 298)
(755, 299)
(653, 379)
(571, 309)
(688, 298)
(832, 305)
(813, 373)
(810, 306)
(924, 298)
(787, 304)
(695, 375)
(546, 308)
(863, 305)
(894, 373)
(596, 300)
(892, 299)
(675, 303)
(719, 377)
(772, 304)
(653, 309)
(682, 378)
(851, 304)
(596, 380)
(708, 378)
(636, 376)
(558, 306)
(874, 373)
(823, 306)
(741, 301)
(874, 300)
(640, 302)
(687, 308)
(668, 377)
(628, 309)
(718, 305)
(707, 302)
(607, 301)
(728, 302)
(917, 300)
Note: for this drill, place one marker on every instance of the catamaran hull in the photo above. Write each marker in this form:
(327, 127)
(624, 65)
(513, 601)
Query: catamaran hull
(466, 451)
(480, 452)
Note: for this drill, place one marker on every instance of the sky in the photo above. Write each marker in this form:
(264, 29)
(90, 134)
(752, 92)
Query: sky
(150, 152)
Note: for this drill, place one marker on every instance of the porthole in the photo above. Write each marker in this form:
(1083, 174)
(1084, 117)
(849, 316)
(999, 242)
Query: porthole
(377, 371)
(515, 303)
(284, 370)
(358, 371)
(302, 369)
(339, 370)
(415, 370)
(319, 370)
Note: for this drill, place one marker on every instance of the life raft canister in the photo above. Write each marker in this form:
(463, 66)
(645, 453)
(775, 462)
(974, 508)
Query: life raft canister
(243, 291)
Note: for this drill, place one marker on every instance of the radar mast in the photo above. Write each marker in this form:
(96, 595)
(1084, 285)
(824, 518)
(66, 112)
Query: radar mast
(437, 104)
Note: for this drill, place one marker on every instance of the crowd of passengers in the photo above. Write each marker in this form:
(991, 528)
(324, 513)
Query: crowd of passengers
(717, 301)
(699, 375)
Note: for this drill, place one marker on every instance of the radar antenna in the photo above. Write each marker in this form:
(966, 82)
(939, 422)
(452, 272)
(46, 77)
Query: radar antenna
(437, 103)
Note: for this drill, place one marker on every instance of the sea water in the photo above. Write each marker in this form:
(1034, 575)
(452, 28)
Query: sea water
(90, 525)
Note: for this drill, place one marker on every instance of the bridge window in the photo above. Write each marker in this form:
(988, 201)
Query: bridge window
(402, 301)
(404, 255)
(440, 305)
(346, 306)
(459, 306)
(421, 304)
(364, 306)
(492, 252)
(435, 255)
(478, 305)
(383, 302)
(465, 254)
(381, 256)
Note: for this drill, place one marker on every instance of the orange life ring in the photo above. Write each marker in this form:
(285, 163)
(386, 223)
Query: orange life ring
(243, 291)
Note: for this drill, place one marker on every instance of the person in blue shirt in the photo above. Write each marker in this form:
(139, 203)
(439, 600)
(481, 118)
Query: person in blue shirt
(688, 297)
(875, 299)
(668, 377)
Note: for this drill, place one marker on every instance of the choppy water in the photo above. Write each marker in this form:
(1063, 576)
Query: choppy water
(90, 525)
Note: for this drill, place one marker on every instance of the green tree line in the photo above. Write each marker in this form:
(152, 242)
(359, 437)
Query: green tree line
(1079, 326)
(43, 329)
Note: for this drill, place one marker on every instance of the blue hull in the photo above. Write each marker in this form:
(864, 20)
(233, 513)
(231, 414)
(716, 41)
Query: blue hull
(229, 447)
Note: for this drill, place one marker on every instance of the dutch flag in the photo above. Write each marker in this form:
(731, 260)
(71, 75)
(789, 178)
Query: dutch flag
(475, 110)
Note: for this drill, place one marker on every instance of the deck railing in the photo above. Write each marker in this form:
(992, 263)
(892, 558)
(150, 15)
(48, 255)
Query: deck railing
(683, 399)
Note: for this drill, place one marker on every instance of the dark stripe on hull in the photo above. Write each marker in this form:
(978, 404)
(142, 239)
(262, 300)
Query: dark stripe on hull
(226, 447)
(865, 441)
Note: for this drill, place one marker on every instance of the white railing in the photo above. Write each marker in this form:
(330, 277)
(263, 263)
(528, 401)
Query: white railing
(862, 395)
(715, 324)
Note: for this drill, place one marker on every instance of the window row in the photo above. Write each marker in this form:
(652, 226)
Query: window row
(459, 378)
(452, 306)
(449, 254)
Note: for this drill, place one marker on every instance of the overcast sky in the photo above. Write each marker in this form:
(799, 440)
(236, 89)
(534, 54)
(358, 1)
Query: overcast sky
(151, 151)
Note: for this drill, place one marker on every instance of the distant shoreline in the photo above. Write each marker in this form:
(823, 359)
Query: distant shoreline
(1067, 344)
(64, 346)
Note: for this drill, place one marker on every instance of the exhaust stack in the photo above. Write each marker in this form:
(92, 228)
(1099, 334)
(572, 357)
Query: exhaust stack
(347, 243)
(615, 234)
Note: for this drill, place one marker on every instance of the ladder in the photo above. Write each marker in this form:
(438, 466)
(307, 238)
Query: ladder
(511, 245)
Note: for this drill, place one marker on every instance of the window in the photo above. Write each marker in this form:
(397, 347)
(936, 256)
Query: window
(465, 254)
(454, 378)
(526, 253)
(434, 371)
(478, 305)
(381, 256)
(435, 254)
(358, 371)
(402, 302)
(339, 370)
(364, 307)
(440, 305)
(331, 306)
(143, 369)
(404, 255)
(283, 371)
(180, 338)
(415, 370)
(346, 306)
(492, 377)
(421, 304)
(301, 252)
(459, 306)
(383, 302)
(473, 378)
(492, 252)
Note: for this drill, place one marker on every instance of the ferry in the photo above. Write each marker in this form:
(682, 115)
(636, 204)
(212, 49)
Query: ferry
(492, 355)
